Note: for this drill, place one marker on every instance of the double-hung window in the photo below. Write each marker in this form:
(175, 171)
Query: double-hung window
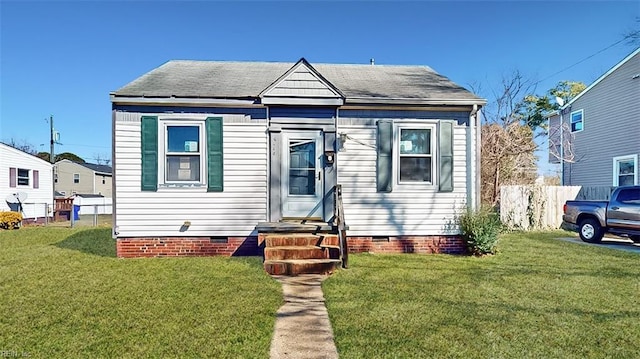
(577, 121)
(76, 178)
(415, 155)
(23, 177)
(625, 170)
(183, 153)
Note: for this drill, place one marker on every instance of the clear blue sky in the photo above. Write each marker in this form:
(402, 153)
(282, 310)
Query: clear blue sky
(63, 58)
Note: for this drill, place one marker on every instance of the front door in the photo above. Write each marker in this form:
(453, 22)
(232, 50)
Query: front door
(302, 174)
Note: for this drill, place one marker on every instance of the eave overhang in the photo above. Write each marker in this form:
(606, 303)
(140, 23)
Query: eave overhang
(185, 101)
(414, 101)
(299, 101)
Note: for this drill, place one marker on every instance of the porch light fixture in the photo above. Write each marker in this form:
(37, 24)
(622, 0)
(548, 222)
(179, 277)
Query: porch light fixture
(185, 226)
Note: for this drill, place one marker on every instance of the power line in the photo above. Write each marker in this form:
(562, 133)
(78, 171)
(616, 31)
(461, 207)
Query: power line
(590, 56)
(76, 144)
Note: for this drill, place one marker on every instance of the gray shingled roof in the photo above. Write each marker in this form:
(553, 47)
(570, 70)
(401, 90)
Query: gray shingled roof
(96, 167)
(233, 80)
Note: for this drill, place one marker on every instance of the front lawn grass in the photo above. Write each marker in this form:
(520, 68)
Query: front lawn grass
(538, 298)
(63, 294)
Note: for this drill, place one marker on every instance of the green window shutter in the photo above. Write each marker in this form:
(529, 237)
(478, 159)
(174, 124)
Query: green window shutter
(215, 174)
(149, 140)
(445, 141)
(384, 171)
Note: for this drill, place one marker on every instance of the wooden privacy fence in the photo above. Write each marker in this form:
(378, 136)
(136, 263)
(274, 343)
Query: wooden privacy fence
(593, 193)
(540, 207)
(534, 207)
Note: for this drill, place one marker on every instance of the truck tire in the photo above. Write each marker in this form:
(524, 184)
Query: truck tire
(590, 230)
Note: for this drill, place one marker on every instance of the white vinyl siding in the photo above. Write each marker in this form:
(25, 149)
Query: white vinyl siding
(234, 212)
(405, 210)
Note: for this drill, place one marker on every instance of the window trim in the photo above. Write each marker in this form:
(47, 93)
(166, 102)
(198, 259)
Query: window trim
(163, 124)
(27, 177)
(397, 128)
(616, 168)
(74, 178)
(581, 111)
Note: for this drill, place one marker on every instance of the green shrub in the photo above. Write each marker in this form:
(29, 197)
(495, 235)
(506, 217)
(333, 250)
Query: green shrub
(10, 220)
(480, 230)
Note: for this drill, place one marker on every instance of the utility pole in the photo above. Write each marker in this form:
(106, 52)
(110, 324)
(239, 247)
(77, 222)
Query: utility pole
(53, 169)
(52, 140)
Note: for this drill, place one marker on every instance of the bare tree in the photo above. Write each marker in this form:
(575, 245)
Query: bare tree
(22, 145)
(507, 143)
(561, 148)
(507, 158)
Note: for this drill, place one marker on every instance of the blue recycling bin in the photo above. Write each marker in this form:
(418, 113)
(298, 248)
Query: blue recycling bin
(76, 212)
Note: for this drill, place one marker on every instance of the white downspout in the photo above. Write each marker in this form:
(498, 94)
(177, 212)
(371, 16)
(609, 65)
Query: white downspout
(473, 167)
(478, 159)
(337, 145)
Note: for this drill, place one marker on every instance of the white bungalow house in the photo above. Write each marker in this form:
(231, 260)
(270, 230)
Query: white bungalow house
(209, 154)
(27, 174)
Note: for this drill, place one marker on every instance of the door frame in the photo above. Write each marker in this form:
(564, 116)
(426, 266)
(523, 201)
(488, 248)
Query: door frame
(309, 206)
(274, 201)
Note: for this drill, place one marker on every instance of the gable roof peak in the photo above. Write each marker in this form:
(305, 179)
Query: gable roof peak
(301, 81)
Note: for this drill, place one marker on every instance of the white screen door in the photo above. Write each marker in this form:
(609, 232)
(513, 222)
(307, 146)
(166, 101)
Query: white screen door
(302, 174)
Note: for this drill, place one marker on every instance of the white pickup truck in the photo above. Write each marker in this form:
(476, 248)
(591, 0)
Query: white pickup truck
(620, 215)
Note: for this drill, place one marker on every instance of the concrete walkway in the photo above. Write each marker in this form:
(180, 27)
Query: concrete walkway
(302, 327)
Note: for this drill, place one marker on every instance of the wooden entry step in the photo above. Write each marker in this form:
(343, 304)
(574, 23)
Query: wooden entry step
(296, 226)
(297, 239)
(294, 267)
(300, 253)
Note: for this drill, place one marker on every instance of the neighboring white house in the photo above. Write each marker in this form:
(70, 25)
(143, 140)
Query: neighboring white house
(22, 172)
